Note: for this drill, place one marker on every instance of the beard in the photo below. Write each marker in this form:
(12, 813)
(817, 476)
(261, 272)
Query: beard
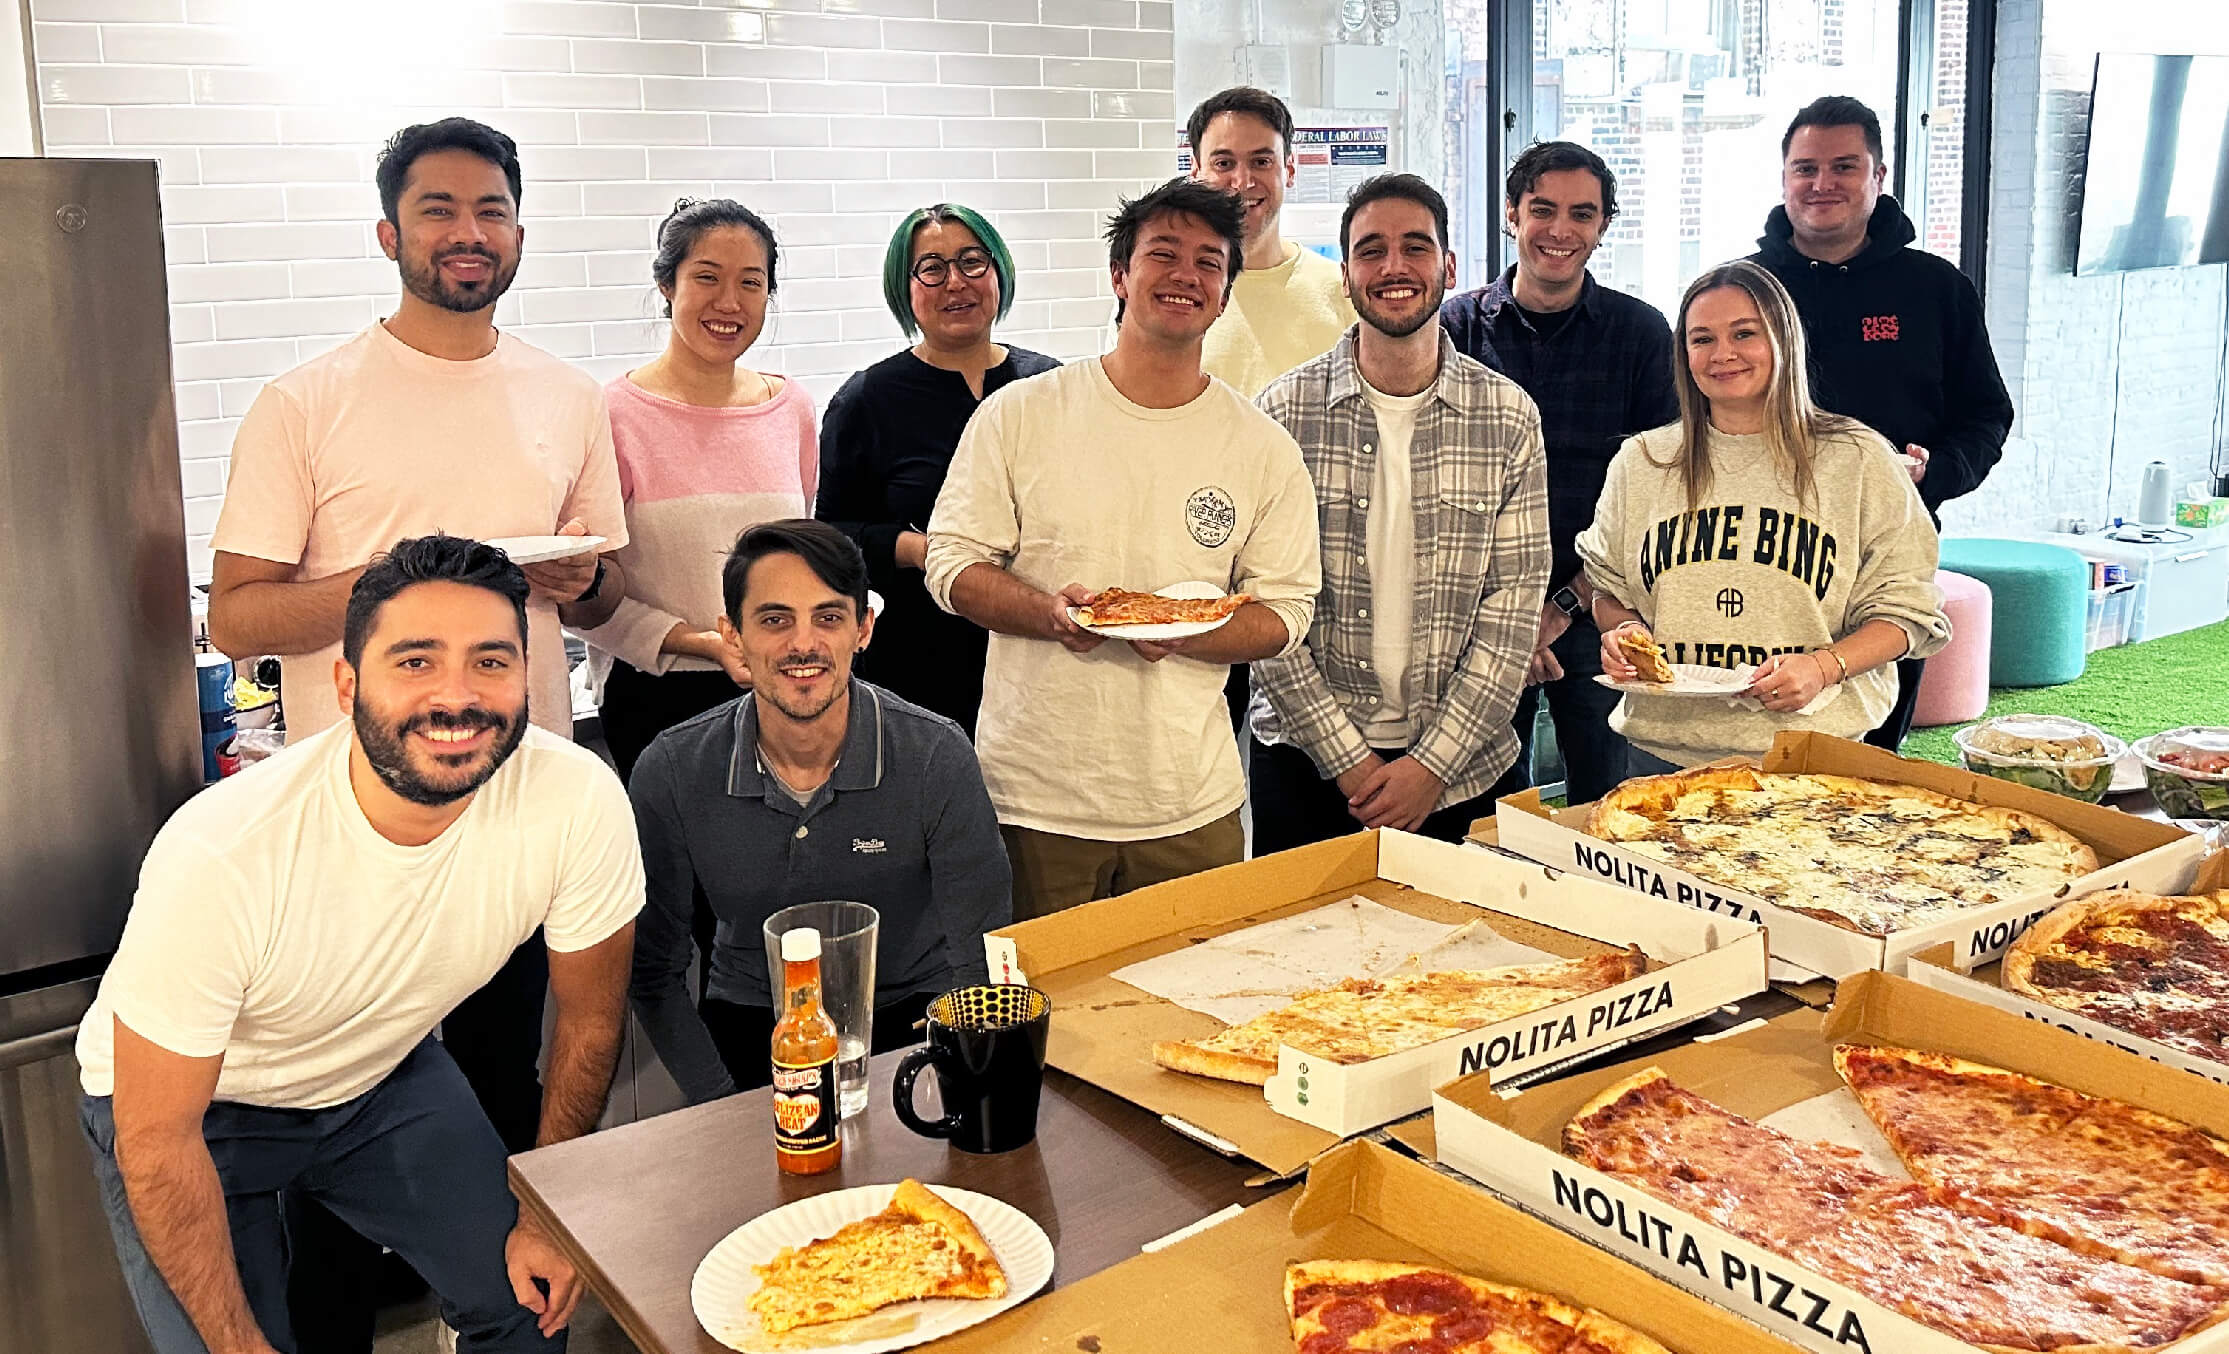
(387, 749)
(806, 711)
(1392, 327)
(424, 280)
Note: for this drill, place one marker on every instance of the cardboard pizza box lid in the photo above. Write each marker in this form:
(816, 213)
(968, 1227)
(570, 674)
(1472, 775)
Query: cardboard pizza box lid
(1223, 1289)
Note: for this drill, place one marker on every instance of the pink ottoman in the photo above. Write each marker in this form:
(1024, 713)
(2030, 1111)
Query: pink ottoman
(1954, 687)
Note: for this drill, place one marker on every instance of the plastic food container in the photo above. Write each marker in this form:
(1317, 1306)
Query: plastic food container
(2182, 789)
(2043, 752)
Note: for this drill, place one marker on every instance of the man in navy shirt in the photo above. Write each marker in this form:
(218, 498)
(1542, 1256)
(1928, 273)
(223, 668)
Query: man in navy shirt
(1598, 363)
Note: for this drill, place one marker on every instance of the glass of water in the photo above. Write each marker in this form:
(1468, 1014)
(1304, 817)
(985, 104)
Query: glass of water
(847, 983)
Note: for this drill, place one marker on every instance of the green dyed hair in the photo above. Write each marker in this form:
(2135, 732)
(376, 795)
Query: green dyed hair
(897, 260)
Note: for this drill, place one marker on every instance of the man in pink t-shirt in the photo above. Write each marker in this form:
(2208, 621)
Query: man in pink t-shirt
(428, 421)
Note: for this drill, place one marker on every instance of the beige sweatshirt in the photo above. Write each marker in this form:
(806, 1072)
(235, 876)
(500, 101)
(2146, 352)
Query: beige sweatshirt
(1059, 479)
(1751, 572)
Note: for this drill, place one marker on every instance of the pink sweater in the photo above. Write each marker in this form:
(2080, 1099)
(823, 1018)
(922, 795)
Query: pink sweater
(692, 479)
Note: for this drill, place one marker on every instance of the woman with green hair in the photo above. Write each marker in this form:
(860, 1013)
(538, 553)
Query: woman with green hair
(888, 437)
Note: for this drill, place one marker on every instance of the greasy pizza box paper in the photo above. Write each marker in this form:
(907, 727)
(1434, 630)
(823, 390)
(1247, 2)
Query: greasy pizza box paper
(1103, 1029)
(1222, 1290)
(1512, 1145)
(1938, 968)
(2134, 853)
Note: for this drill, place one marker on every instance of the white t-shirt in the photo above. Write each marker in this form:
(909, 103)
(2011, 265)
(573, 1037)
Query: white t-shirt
(376, 442)
(274, 926)
(1390, 522)
(1059, 479)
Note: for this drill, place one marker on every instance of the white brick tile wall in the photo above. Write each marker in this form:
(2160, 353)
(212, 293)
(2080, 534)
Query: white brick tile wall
(831, 120)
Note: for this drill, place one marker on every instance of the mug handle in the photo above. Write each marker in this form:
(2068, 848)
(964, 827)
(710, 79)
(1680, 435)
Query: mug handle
(901, 1088)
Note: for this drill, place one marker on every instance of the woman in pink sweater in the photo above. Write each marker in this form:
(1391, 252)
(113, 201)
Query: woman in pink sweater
(707, 446)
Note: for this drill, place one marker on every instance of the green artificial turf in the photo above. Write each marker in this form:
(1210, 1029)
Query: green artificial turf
(2134, 691)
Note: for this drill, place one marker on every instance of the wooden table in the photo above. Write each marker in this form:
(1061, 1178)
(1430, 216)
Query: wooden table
(637, 1207)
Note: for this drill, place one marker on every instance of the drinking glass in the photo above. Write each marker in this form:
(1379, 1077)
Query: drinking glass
(847, 984)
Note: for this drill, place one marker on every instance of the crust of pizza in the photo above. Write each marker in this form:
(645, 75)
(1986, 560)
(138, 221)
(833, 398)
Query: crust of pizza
(1179, 1055)
(2080, 914)
(1646, 656)
(1578, 1134)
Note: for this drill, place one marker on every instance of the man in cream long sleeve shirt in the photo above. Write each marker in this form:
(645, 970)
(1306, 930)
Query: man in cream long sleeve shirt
(1111, 763)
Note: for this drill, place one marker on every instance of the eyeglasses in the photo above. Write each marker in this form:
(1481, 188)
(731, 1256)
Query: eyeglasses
(931, 270)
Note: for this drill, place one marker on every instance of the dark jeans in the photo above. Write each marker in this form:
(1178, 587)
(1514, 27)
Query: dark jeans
(744, 1035)
(1237, 690)
(1593, 755)
(1639, 763)
(412, 1162)
(638, 706)
(1899, 722)
(494, 1038)
(1294, 805)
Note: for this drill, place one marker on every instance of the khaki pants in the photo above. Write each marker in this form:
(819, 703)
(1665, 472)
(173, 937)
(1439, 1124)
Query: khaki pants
(1053, 873)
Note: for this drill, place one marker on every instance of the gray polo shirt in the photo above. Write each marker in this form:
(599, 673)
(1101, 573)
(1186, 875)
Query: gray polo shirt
(903, 824)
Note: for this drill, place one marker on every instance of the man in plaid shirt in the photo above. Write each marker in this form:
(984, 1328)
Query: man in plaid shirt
(1432, 493)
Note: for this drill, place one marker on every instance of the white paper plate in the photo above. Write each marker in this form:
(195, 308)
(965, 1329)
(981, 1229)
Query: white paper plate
(721, 1290)
(541, 549)
(1157, 633)
(1688, 679)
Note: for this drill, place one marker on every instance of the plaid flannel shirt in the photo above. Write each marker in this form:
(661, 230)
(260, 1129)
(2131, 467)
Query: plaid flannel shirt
(1479, 489)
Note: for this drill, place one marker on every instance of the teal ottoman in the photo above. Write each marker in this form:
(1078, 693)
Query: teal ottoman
(2040, 603)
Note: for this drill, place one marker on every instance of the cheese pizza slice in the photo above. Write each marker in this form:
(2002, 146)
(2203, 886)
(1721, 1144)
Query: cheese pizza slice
(918, 1247)
(1646, 655)
(1367, 1306)
(1120, 606)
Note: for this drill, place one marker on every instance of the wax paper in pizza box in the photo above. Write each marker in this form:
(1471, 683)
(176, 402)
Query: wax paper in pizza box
(1103, 1029)
(1781, 1072)
(1939, 968)
(2132, 852)
(1223, 1289)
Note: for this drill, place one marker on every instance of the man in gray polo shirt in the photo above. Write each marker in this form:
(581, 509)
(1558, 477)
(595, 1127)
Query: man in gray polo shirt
(813, 786)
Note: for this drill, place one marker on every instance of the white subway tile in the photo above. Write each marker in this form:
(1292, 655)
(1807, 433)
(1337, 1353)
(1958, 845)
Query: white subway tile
(288, 165)
(1042, 103)
(726, 158)
(620, 269)
(1157, 16)
(188, 205)
(886, 196)
(1044, 164)
(1000, 195)
(858, 260)
(990, 70)
(121, 11)
(785, 326)
(822, 30)
(1093, 133)
(207, 442)
(792, 96)
(786, 63)
(589, 233)
(1098, 194)
(638, 58)
(931, 35)
(1134, 44)
(810, 260)
(530, 127)
(67, 128)
(1089, 253)
(1156, 165)
(227, 281)
(891, 133)
(330, 126)
(591, 163)
(1081, 312)
(174, 165)
(1073, 73)
(629, 338)
(191, 324)
(698, 92)
(890, 9)
(779, 199)
(569, 18)
(1049, 225)
(1040, 40)
(549, 56)
(234, 396)
(887, 68)
(572, 91)
(1097, 13)
(559, 340)
(652, 200)
(830, 164)
(261, 242)
(688, 23)
(995, 133)
(996, 11)
(114, 84)
(1157, 75)
(176, 45)
(551, 270)
(866, 324)
(261, 359)
(1140, 105)
(938, 100)
(68, 42)
(646, 129)
(185, 244)
(330, 202)
(202, 478)
(201, 515)
(294, 319)
(582, 306)
(957, 163)
(1069, 283)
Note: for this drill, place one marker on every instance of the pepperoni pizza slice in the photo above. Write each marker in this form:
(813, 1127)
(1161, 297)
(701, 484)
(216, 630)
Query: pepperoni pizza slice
(1369, 1306)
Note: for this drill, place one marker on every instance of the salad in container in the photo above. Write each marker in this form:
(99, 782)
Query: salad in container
(2045, 752)
(2188, 771)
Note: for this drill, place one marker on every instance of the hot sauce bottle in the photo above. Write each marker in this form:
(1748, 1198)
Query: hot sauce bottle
(806, 1118)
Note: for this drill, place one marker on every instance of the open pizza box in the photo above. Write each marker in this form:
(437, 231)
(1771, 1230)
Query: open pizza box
(1104, 1028)
(2134, 853)
(1511, 1143)
(1222, 1289)
(1940, 968)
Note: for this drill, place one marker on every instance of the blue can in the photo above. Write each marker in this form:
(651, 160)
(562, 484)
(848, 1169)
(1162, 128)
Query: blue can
(213, 677)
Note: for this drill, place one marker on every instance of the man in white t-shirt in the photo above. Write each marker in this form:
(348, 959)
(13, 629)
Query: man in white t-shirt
(298, 933)
(1396, 711)
(429, 420)
(1112, 764)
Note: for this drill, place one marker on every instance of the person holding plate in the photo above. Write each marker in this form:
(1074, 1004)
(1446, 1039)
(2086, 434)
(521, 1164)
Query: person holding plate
(1758, 532)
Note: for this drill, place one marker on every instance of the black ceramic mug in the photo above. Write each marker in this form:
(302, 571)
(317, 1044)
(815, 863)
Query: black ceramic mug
(987, 1045)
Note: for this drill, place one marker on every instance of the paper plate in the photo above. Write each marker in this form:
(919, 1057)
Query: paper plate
(1688, 679)
(541, 549)
(1157, 633)
(721, 1290)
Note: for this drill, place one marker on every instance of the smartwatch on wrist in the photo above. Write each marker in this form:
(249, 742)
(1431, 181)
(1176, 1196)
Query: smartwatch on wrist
(595, 585)
(1567, 602)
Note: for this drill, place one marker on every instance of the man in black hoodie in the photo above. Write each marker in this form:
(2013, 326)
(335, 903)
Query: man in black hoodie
(1896, 334)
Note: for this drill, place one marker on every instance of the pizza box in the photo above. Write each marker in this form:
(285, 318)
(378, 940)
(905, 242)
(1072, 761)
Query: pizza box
(1103, 1029)
(1223, 1288)
(1510, 1142)
(2136, 853)
(1940, 969)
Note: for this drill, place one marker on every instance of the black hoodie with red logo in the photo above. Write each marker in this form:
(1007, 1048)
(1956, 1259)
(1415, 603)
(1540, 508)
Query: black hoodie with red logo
(1897, 342)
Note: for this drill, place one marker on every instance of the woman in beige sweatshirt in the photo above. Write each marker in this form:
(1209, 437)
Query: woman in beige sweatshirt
(1758, 532)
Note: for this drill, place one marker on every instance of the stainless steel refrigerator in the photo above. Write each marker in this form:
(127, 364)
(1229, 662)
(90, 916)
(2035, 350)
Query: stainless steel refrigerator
(99, 728)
